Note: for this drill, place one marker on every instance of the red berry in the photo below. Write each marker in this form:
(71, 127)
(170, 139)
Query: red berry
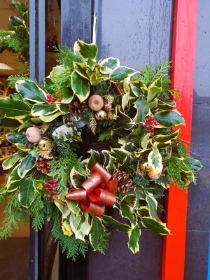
(53, 186)
(47, 189)
(152, 134)
(144, 125)
(46, 184)
(49, 196)
(55, 192)
(147, 119)
(152, 128)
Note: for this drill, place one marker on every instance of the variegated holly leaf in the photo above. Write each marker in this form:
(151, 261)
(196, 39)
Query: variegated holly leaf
(30, 91)
(109, 161)
(133, 243)
(26, 192)
(76, 178)
(11, 123)
(85, 225)
(64, 210)
(124, 120)
(97, 230)
(154, 89)
(155, 161)
(109, 64)
(73, 206)
(138, 88)
(126, 211)
(142, 108)
(11, 161)
(164, 138)
(152, 205)
(80, 68)
(14, 109)
(121, 73)
(94, 157)
(169, 118)
(80, 86)
(26, 165)
(87, 51)
(117, 225)
(154, 225)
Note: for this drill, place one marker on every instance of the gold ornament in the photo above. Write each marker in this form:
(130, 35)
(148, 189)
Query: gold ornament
(95, 102)
(45, 144)
(101, 115)
(45, 147)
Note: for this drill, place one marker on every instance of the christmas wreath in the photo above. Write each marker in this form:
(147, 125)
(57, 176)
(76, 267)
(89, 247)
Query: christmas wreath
(131, 113)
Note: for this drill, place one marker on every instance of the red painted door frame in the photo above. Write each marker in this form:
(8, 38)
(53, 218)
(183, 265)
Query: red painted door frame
(182, 75)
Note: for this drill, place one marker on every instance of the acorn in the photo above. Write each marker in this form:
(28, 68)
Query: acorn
(95, 102)
(33, 134)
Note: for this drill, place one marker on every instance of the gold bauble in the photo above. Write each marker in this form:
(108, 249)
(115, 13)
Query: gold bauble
(45, 144)
(101, 115)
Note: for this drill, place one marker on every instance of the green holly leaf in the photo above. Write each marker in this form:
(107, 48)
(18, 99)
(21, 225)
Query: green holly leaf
(43, 109)
(154, 225)
(30, 91)
(121, 73)
(80, 86)
(142, 108)
(15, 21)
(97, 230)
(87, 51)
(133, 243)
(169, 118)
(27, 190)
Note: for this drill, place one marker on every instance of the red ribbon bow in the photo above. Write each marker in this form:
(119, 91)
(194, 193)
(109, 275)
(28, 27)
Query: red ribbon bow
(97, 192)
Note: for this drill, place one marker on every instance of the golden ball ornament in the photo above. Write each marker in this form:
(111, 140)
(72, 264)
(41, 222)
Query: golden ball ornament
(101, 115)
(95, 102)
(45, 144)
(33, 134)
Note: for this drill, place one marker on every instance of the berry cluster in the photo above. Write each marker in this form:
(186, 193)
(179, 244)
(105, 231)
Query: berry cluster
(51, 188)
(50, 99)
(149, 125)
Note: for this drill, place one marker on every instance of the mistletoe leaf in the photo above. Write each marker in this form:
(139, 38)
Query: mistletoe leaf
(155, 226)
(30, 91)
(142, 108)
(80, 86)
(169, 118)
(133, 243)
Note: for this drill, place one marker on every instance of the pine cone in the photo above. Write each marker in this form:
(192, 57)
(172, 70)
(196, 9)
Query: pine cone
(124, 181)
(76, 107)
(43, 165)
(109, 98)
(107, 106)
(93, 124)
